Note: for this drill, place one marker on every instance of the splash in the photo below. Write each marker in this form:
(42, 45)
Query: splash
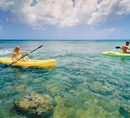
(5, 51)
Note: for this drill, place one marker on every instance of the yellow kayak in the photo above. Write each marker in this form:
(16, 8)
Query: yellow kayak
(33, 63)
(118, 54)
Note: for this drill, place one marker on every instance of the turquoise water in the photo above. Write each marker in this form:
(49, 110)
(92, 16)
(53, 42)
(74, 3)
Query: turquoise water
(84, 83)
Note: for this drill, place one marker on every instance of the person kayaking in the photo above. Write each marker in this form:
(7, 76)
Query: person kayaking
(17, 55)
(125, 47)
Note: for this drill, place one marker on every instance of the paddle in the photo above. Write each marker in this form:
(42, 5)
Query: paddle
(23, 56)
(117, 47)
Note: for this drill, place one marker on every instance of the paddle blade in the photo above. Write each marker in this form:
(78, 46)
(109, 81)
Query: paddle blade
(117, 47)
(40, 46)
(36, 48)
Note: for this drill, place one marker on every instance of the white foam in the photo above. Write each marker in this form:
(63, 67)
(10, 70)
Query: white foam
(5, 51)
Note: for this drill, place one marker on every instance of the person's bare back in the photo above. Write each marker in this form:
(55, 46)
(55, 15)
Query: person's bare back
(125, 47)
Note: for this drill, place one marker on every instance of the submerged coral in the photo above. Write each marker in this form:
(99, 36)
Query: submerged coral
(35, 106)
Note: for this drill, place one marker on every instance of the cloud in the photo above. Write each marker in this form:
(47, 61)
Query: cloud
(39, 28)
(109, 10)
(64, 13)
(0, 29)
(103, 33)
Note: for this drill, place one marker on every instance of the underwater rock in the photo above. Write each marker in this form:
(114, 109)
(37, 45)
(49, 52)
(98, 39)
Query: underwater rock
(125, 111)
(35, 106)
(99, 88)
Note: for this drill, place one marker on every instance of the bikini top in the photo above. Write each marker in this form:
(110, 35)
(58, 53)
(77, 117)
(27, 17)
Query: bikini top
(17, 57)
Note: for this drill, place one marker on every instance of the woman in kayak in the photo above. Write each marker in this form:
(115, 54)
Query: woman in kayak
(17, 54)
(125, 47)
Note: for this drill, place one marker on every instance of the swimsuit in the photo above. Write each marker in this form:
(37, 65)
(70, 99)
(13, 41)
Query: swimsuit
(18, 57)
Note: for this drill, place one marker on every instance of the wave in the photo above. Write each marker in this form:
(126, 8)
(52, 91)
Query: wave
(5, 51)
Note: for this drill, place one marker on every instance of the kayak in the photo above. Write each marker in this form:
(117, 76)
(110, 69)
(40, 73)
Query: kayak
(119, 54)
(33, 63)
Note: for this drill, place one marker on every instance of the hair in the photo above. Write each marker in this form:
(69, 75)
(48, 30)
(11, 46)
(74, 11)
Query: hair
(16, 48)
(127, 42)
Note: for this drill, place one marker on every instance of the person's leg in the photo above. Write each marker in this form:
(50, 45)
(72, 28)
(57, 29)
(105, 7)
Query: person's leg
(27, 59)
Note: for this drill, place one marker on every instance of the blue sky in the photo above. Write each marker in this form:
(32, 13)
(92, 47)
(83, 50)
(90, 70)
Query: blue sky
(64, 19)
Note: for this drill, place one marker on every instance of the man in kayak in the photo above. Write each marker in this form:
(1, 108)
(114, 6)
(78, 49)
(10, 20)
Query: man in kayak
(125, 47)
(17, 55)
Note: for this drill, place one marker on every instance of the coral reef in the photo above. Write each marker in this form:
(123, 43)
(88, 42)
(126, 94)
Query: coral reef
(37, 105)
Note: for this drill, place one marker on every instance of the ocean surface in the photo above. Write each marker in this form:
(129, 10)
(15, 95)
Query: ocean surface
(84, 83)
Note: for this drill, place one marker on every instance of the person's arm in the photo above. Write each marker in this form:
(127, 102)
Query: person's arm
(26, 52)
(13, 57)
(128, 48)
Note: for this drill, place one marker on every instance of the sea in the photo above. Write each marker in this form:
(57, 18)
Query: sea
(84, 83)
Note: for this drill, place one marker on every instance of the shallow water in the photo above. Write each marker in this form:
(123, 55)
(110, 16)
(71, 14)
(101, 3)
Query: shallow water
(84, 83)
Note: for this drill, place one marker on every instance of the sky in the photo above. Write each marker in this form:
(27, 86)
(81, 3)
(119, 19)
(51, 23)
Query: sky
(65, 19)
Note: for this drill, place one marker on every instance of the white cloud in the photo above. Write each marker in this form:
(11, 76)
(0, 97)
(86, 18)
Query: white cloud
(63, 13)
(103, 33)
(39, 28)
(109, 10)
(0, 29)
